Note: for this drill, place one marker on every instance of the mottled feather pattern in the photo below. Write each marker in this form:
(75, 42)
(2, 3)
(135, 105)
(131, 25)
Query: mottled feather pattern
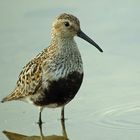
(69, 17)
(54, 76)
(29, 79)
(57, 72)
(61, 58)
(45, 66)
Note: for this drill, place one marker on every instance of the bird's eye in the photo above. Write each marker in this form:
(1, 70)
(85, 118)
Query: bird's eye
(66, 24)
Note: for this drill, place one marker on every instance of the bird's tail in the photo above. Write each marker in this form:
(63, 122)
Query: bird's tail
(10, 97)
(5, 99)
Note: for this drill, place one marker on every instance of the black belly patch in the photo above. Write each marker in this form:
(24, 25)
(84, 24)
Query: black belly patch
(61, 91)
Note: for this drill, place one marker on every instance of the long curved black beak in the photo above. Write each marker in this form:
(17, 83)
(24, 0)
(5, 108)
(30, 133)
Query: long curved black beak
(82, 35)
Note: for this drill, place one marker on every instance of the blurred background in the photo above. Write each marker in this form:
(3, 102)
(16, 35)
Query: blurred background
(107, 105)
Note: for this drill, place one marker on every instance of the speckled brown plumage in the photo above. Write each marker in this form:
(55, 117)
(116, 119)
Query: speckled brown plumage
(55, 75)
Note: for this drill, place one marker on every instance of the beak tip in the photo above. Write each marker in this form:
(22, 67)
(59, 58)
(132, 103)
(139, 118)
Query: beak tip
(101, 51)
(86, 38)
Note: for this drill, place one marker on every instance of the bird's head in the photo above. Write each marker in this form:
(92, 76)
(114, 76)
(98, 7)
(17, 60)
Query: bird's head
(68, 26)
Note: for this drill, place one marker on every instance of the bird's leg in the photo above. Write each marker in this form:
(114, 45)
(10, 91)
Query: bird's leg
(63, 122)
(40, 120)
(63, 128)
(40, 128)
(62, 114)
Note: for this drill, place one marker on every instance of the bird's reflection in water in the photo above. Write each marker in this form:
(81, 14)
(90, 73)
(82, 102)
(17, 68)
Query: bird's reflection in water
(16, 136)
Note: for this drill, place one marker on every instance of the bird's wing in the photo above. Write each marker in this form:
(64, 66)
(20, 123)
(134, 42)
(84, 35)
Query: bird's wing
(29, 81)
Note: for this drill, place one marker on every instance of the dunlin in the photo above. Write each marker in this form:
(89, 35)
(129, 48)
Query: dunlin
(54, 76)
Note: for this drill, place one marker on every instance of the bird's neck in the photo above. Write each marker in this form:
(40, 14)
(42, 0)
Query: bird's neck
(64, 54)
(62, 40)
(66, 44)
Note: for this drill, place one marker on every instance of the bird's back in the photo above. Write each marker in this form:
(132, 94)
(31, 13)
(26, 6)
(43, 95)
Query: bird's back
(52, 76)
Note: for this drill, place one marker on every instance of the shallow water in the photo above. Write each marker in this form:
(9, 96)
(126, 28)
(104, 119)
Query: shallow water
(108, 103)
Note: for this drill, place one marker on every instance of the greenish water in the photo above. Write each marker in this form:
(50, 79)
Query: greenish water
(108, 103)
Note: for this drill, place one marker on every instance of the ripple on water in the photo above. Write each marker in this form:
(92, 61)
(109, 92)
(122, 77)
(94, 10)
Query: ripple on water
(125, 116)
